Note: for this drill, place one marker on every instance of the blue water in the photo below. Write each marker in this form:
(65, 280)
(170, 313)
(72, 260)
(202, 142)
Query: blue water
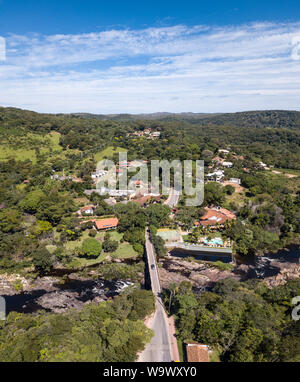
(216, 240)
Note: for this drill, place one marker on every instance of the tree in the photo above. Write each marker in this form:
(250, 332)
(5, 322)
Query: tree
(158, 214)
(91, 248)
(213, 194)
(139, 248)
(42, 260)
(109, 245)
(143, 303)
(228, 189)
(32, 201)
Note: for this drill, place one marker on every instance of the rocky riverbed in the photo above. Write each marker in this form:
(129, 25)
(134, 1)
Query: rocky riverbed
(274, 272)
(51, 294)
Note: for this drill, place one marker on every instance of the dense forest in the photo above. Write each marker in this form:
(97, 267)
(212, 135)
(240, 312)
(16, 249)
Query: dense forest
(108, 332)
(242, 322)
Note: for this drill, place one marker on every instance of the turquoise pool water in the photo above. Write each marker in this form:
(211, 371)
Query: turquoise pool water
(216, 241)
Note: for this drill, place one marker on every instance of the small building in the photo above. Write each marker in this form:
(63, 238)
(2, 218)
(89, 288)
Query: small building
(262, 164)
(216, 176)
(155, 134)
(105, 224)
(227, 164)
(235, 180)
(197, 352)
(218, 159)
(143, 201)
(61, 177)
(87, 210)
(98, 174)
(119, 193)
(223, 151)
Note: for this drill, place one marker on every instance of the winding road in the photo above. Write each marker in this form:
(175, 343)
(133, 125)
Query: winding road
(173, 198)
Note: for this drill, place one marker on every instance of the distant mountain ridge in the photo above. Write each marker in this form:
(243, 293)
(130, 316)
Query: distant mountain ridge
(147, 116)
(254, 119)
(264, 118)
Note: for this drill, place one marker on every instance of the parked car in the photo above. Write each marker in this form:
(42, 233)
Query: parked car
(152, 266)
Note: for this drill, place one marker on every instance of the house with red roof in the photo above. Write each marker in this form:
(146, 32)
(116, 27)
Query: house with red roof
(214, 216)
(105, 224)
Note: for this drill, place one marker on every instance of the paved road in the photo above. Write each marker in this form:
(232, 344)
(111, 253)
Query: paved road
(159, 349)
(173, 198)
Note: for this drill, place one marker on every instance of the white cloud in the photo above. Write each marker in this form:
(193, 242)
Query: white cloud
(175, 69)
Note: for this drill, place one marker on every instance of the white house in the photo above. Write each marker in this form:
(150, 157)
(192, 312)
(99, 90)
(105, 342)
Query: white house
(223, 151)
(227, 164)
(216, 175)
(87, 210)
(262, 164)
(98, 174)
(235, 180)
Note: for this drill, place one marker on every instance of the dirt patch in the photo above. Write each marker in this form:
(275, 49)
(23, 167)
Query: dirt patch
(238, 187)
(285, 174)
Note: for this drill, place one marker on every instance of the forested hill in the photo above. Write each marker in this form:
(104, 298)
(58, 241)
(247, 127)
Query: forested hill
(265, 118)
(253, 119)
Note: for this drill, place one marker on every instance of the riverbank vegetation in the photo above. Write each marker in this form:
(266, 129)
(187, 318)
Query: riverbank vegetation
(107, 332)
(243, 322)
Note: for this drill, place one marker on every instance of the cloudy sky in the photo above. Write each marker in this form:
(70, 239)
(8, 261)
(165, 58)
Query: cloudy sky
(176, 65)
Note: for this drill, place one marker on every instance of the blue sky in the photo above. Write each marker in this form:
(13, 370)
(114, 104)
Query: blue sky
(148, 56)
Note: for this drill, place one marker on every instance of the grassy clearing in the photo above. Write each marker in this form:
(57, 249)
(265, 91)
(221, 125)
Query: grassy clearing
(237, 198)
(81, 201)
(83, 262)
(7, 153)
(23, 148)
(108, 152)
(287, 171)
(124, 251)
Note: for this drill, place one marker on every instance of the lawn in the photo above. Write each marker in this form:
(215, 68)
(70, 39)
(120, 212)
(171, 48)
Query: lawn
(168, 234)
(108, 152)
(124, 251)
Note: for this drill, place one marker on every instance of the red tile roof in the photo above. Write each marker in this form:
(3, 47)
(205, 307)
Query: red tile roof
(143, 200)
(83, 209)
(215, 216)
(197, 353)
(106, 223)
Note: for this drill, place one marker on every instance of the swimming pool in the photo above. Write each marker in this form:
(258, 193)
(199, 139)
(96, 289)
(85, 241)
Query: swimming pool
(216, 241)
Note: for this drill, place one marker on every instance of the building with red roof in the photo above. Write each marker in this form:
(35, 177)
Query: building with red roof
(105, 224)
(216, 215)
